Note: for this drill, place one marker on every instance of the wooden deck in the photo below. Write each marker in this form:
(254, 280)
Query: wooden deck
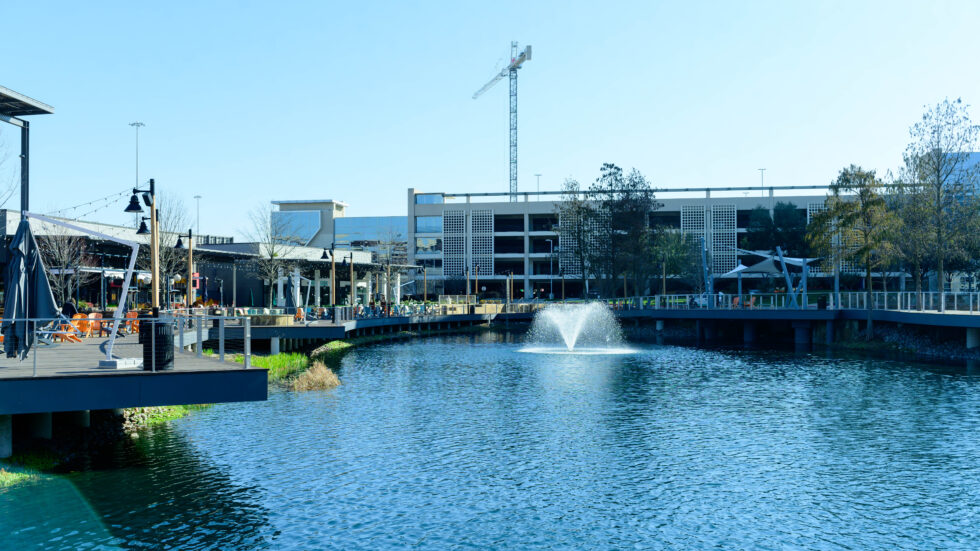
(74, 359)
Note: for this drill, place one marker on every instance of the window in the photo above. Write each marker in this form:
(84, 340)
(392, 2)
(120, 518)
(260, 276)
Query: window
(428, 224)
(429, 199)
(429, 262)
(428, 245)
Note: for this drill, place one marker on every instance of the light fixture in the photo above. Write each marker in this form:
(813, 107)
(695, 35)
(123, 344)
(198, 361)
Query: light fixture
(180, 243)
(324, 256)
(143, 230)
(134, 204)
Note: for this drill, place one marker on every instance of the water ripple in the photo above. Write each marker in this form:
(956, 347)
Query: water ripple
(464, 443)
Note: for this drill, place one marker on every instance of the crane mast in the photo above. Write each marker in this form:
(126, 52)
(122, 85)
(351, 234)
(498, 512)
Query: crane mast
(516, 61)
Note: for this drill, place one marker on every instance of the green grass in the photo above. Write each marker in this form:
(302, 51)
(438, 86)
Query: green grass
(25, 467)
(14, 476)
(146, 417)
(280, 366)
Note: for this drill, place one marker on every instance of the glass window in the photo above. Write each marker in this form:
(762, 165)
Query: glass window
(428, 224)
(429, 262)
(428, 245)
(429, 199)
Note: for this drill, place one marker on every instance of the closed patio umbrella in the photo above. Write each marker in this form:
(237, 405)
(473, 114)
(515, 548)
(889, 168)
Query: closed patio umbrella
(290, 292)
(28, 293)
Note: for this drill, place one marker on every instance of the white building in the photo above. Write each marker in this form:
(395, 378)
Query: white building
(485, 236)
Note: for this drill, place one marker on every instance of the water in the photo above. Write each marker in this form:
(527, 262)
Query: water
(573, 327)
(465, 442)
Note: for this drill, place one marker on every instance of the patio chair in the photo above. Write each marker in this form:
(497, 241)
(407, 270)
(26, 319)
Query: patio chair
(81, 323)
(65, 333)
(132, 322)
(97, 325)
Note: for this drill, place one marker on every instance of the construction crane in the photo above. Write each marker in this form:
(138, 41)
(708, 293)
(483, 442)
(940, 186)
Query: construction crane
(516, 60)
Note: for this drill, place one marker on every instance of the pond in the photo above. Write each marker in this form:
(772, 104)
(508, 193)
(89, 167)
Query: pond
(467, 442)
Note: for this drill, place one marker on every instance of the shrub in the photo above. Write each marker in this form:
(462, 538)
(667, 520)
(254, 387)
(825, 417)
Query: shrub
(317, 377)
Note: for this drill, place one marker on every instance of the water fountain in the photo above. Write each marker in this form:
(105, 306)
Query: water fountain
(584, 328)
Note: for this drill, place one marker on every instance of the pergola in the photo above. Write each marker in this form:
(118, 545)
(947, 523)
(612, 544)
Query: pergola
(13, 106)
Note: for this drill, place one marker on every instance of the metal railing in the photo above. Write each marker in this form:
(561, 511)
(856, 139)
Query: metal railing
(46, 334)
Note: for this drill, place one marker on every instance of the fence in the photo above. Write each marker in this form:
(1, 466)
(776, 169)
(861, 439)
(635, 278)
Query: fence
(81, 342)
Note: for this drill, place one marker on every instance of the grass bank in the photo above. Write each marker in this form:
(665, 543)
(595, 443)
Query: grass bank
(26, 467)
(137, 418)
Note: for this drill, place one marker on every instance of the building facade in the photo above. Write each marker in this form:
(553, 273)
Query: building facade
(489, 241)
(324, 224)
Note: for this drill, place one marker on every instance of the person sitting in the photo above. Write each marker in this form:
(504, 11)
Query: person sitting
(68, 309)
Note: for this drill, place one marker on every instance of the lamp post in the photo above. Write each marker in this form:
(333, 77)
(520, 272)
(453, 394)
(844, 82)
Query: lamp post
(198, 199)
(150, 199)
(476, 285)
(190, 263)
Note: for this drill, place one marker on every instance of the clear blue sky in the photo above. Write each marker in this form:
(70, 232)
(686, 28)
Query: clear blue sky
(246, 102)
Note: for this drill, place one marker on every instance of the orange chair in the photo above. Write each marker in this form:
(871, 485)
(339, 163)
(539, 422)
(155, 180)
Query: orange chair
(96, 325)
(82, 325)
(132, 322)
(300, 315)
(65, 333)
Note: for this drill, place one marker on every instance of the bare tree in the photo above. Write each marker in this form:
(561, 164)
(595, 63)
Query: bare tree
(174, 219)
(8, 179)
(937, 161)
(392, 250)
(575, 232)
(64, 255)
(276, 236)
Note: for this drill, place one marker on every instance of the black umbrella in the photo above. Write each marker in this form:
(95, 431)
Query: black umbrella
(28, 293)
(290, 298)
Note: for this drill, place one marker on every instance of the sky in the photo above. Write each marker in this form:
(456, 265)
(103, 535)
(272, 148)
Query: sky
(249, 102)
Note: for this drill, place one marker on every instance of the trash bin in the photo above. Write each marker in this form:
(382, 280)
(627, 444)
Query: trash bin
(157, 336)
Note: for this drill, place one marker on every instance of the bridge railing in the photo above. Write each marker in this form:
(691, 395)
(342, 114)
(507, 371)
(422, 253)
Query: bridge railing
(910, 301)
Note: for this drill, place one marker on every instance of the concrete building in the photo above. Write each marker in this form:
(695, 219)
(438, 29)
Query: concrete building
(460, 236)
(325, 223)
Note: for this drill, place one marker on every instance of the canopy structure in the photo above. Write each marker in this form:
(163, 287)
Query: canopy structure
(788, 260)
(14, 105)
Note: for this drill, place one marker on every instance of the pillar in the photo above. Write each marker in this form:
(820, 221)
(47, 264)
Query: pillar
(802, 332)
(750, 332)
(280, 299)
(6, 436)
(829, 335)
(972, 337)
(699, 331)
(297, 282)
(38, 425)
(81, 419)
(397, 289)
(274, 345)
(660, 326)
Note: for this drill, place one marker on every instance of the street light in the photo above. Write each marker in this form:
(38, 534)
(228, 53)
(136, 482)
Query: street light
(143, 230)
(198, 198)
(190, 263)
(150, 199)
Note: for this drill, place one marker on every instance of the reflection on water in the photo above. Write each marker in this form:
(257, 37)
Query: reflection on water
(466, 442)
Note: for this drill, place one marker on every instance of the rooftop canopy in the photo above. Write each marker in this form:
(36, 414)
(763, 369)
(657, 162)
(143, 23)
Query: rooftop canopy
(14, 104)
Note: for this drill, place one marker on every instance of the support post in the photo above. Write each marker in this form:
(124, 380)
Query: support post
(274, 345)
(316, 279)
(749, 332)
(38, 425)
(25, 165)
(6, 436)
(972, 337)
